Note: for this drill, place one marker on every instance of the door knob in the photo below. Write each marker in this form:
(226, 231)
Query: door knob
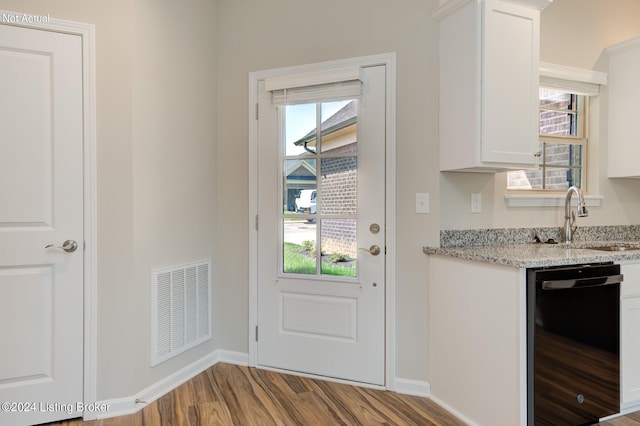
(374, 250)
(69, 246)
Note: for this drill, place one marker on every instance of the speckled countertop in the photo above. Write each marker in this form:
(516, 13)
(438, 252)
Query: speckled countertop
(516, 247)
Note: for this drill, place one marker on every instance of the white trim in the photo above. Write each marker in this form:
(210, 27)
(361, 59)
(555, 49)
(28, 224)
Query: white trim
(87, 32)
(534, 4)
(391, 246)
(450, 6)
(623, 46)
(134, 403)
(547, 200)
(453, 411)
(389, 60)
(253, 217)
(413, 387)
(447, 8)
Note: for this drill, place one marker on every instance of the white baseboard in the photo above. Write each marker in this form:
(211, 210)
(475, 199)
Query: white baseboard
(453, 411)
(625, 409)
(412, 387)
(132, 404)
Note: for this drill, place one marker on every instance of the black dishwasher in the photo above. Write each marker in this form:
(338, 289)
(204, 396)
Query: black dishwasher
(573, 344)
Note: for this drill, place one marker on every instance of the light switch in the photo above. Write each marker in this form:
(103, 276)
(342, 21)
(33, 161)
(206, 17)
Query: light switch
(422, 202)
(476, 202)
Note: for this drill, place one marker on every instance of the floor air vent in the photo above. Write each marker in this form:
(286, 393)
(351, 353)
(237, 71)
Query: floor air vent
(180, 309)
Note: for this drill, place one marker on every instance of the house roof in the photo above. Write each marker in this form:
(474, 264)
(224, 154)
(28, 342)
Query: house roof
(344, 117)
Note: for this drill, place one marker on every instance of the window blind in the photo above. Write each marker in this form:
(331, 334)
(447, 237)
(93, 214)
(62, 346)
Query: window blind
(315, 86)
(320, 93)
(577, 87)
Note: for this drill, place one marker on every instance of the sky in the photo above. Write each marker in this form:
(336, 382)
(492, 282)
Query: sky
(301, 119)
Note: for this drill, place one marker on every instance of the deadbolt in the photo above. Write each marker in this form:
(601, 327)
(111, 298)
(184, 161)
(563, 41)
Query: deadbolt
(374, 228)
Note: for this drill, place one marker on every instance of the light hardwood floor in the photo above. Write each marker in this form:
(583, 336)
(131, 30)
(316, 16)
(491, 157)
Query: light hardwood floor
(228, 394)
(233, 395)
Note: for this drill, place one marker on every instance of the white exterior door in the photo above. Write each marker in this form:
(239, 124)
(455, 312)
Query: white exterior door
(321, 234)
(41, 203)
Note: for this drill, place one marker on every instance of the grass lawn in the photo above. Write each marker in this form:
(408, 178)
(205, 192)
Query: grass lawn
(297, 261)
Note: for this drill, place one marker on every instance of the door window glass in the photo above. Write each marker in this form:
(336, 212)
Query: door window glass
(319, 188)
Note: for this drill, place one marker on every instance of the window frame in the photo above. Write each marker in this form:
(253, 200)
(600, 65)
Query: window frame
(571, 79)
(582, 139)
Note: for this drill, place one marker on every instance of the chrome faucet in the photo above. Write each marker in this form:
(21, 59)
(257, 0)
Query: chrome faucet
(570, 216)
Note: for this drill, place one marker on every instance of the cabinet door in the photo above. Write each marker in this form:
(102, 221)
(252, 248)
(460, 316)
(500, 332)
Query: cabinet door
(510, 75)
(630, 349)
(624, 66)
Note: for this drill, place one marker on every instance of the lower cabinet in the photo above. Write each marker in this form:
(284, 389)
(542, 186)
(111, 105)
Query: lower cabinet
(477, 340)
(630, 336)
(630, 350)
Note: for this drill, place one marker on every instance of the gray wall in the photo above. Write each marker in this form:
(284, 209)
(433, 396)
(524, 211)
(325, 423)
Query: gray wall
(259, 35)
(156, 131)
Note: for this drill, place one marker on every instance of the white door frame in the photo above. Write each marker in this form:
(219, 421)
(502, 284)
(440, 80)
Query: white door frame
(389, 60)
(87, 33)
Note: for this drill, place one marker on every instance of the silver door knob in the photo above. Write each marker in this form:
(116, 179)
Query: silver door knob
(69, 246)
(374, 250)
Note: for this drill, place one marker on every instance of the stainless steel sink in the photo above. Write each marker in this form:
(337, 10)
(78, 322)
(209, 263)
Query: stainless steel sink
(613, 248)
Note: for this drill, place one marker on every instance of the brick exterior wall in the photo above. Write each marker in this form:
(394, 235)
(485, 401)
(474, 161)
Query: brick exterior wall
(338, 192)
(551, 123)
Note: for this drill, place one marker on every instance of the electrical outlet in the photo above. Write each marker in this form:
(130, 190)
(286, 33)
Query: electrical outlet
(476, 202)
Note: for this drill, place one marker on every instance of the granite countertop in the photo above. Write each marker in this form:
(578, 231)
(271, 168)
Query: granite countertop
(516, 247)
(536, 255)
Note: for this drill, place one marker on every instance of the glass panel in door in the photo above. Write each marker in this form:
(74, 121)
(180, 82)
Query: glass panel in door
(319, 187)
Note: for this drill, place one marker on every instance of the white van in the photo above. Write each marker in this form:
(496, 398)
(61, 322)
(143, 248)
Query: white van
(306, 201)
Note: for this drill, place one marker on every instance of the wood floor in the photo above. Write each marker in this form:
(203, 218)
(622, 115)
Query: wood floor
(233, 395)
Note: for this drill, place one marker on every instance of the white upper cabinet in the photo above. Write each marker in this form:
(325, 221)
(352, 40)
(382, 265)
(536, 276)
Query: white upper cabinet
(489, 78)
(624, 123)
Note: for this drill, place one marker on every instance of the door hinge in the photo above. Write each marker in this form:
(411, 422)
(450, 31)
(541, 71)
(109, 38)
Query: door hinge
(256, 222)
(257, 111)
(256, 333)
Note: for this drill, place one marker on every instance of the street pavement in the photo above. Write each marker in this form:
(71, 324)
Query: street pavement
(297, 231)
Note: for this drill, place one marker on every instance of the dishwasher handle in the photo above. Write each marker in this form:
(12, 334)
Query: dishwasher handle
(581, 282)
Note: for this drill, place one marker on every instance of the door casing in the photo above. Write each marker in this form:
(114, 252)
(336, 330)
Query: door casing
(87, 34)
(389, 60)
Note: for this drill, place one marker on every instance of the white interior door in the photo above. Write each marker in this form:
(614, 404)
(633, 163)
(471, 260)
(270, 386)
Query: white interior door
(41, 203)
(321, 234)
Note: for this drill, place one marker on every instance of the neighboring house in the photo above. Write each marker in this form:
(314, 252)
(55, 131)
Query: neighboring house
(300, 175)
